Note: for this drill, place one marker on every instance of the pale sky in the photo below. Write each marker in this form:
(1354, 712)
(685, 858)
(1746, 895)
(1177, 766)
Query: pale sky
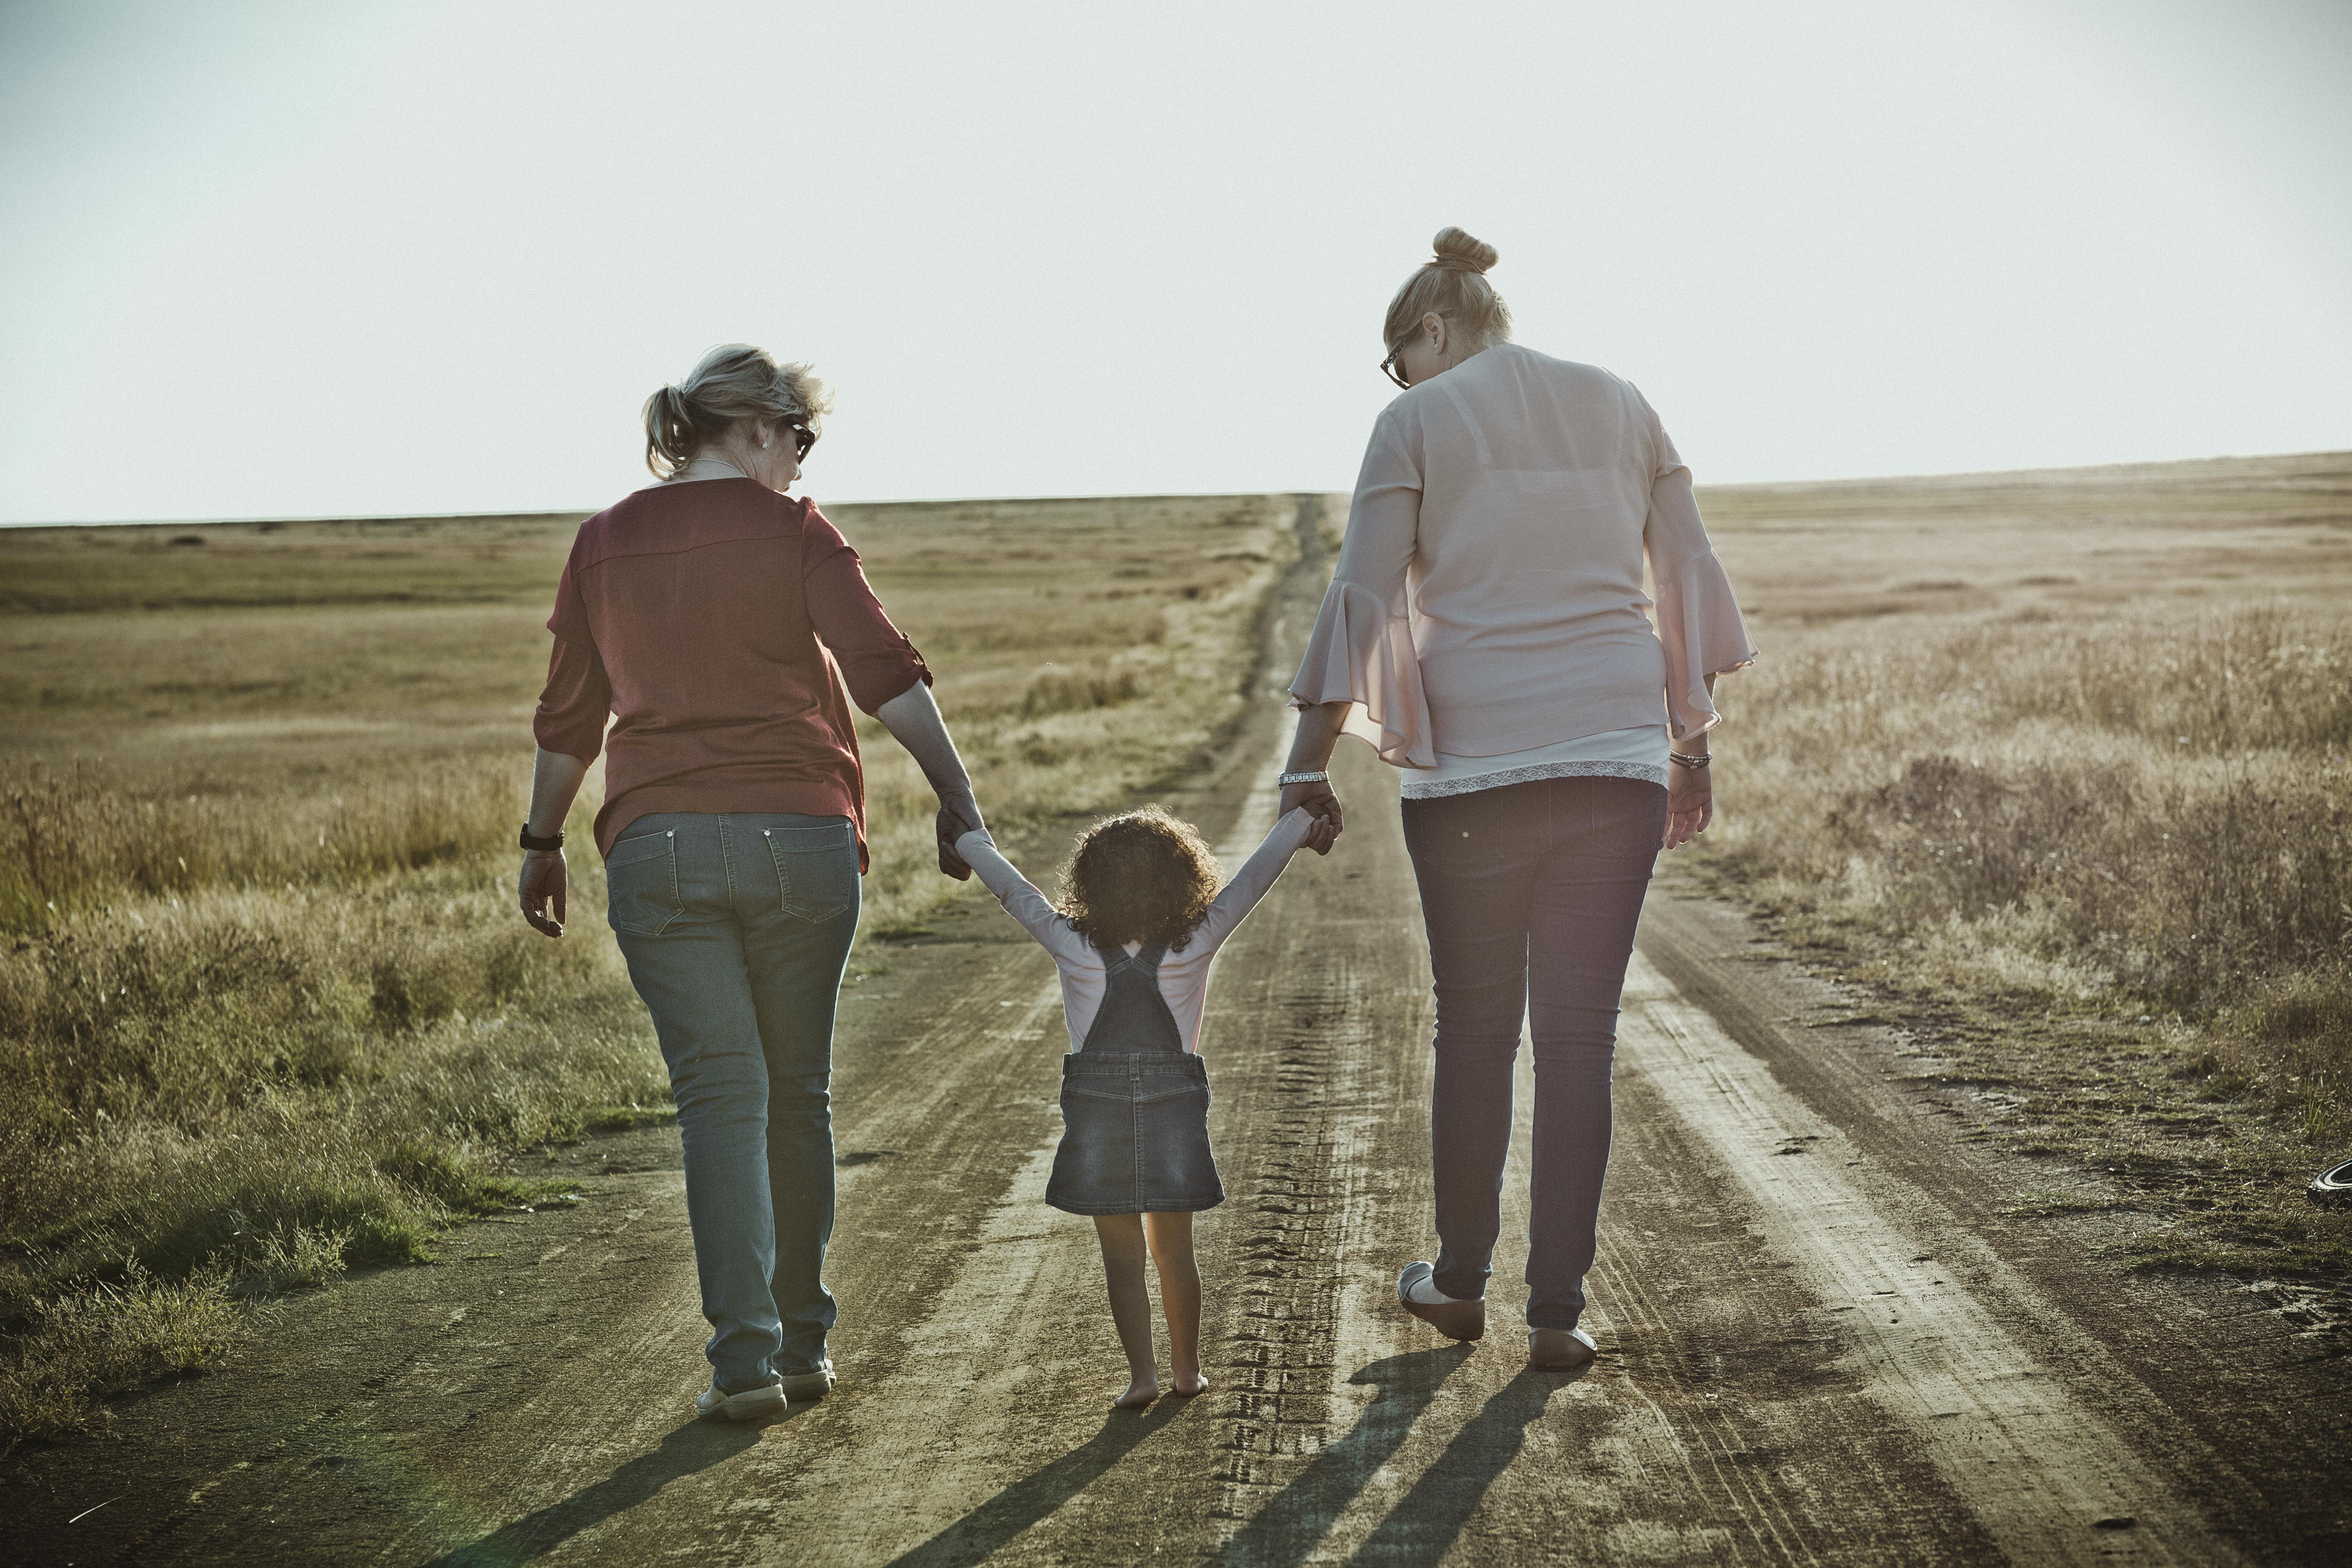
(346, 259)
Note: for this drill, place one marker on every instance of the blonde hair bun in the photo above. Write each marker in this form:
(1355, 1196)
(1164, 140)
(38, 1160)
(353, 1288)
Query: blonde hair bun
(1452, 285)
(1458, 251)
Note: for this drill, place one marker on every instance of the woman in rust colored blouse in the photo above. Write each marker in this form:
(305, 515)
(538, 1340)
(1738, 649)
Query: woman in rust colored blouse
(724, 629)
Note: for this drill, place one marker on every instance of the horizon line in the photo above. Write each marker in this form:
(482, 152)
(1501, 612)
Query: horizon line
(250, 520)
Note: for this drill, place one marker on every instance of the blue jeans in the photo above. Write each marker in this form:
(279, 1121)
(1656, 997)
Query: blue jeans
(736, 928)
(1531, 893)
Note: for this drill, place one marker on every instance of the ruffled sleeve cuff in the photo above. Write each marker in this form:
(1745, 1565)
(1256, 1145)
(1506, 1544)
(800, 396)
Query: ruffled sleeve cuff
(1704, 633)
(1361, 652)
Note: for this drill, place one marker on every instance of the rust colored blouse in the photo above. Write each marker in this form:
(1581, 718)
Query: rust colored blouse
(726, 630)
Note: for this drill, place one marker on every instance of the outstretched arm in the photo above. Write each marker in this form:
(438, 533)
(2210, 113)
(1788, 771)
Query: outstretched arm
(1296, 830)
(913, 720)
(1020, 897)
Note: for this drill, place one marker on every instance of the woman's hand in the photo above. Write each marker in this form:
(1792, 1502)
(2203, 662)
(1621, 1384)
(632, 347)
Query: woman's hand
(1690, 802)
(1323, 805)
(959, 814)
(541, 890)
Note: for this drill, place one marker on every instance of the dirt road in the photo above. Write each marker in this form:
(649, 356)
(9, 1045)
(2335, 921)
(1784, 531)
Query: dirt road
(1821, 1340)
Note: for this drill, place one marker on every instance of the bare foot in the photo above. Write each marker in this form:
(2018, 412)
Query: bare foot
(1189, 1386)
(1140, 1392)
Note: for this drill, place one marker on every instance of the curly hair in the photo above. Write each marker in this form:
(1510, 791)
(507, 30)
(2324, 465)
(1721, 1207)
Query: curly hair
(1141, 876)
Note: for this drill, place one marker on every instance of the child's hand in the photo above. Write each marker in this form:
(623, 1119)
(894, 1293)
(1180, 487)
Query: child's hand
(1323, 833)
(1319, 802)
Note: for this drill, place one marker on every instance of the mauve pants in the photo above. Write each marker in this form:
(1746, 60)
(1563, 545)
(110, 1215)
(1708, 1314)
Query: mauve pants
(1531, 893)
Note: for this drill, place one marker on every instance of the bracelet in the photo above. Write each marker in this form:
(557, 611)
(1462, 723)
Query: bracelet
(542, 845)
(1319, 776)
(1693, 763)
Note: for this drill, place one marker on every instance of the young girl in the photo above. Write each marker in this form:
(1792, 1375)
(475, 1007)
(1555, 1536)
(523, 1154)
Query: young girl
(1140, 920)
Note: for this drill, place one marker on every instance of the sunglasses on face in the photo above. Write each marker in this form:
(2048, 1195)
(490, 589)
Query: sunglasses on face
(803, 440)
(1390, 368)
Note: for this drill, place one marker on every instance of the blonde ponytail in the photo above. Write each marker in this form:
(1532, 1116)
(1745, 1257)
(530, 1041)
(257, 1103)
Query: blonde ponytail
(734, 381)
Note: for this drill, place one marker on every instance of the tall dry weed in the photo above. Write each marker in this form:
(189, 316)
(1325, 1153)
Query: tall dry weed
(2157, 803)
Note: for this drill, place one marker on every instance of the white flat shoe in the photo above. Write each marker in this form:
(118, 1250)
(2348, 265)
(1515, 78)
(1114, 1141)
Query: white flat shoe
(1454, 1320)
(747, 1405)
(809, 1384)
(1560, 1350)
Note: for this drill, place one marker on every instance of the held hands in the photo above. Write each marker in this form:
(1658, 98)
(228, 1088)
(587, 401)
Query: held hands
(1323, 805)
(959, 814)
(1690, 804)
(541, 888)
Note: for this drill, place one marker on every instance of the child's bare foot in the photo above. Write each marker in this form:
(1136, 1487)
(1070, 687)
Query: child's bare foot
(1189, 1386)
(1141, 1392)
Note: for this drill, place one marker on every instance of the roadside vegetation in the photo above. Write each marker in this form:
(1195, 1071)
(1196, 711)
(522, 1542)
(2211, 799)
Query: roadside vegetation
(2059, 767)
(2064, 772)
(266, 1011)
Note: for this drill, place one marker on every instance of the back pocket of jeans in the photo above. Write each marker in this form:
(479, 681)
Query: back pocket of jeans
(641, 884)
(817, 869)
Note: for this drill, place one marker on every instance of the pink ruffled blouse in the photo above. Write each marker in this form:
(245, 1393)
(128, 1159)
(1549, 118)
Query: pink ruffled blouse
(1488, 597)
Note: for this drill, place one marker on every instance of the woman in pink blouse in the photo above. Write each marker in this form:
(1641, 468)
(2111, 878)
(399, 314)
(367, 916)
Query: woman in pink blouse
(1485, 631)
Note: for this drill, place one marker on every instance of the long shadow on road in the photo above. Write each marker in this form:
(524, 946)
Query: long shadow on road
(1286, 1529)
(1421, 1526)
(696, 1445)
(996, 1522)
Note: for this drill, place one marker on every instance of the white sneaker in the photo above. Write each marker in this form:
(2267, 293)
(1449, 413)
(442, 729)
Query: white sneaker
(747, 1405)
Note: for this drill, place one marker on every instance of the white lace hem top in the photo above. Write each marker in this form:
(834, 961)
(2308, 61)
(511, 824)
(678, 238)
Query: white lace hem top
(1184, 976)
(1635, 753)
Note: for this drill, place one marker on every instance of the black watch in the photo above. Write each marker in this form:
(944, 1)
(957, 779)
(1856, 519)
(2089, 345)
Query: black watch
(541, 845)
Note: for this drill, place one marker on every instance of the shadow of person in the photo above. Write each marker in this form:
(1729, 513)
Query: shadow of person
(996, 1522)
(696, 1445)
(1286, 1529)
(1425, 1521)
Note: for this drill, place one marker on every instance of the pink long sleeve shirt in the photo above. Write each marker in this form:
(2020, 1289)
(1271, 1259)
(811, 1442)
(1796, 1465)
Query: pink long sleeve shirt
(1488, 598)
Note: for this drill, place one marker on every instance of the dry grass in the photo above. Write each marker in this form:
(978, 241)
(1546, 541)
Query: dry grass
(2062, 766)
(265, 1010)
(78, 1347)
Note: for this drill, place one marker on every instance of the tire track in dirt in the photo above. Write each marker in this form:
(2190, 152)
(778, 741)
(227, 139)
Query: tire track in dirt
(1432, 1452)
(2040, 1471)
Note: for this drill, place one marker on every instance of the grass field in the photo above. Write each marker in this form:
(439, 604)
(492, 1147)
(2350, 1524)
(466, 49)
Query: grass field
(265, 1010)
(2061, 765)
(2055, 764)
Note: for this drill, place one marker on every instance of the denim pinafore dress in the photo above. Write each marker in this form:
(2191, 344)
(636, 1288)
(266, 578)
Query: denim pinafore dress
(1135, 1105)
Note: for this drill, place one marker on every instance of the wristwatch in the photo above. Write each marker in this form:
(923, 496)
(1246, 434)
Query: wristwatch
(541, 845)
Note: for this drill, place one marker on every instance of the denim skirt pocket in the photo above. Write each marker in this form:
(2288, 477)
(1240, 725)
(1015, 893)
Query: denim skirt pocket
(1174, 1171)
(641, 884)
(817, 869)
